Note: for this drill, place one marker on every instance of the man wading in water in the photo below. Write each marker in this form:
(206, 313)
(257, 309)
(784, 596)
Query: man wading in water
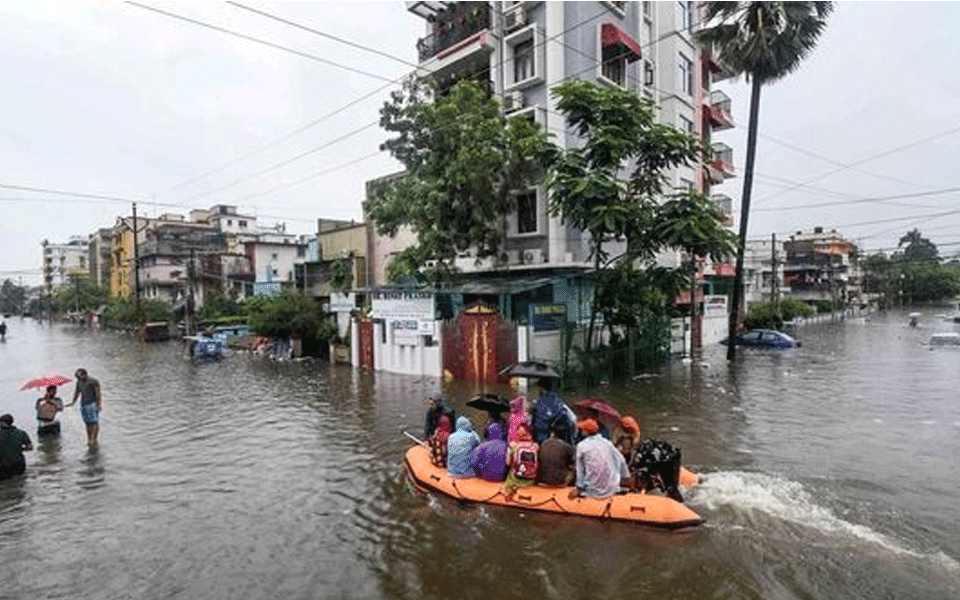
(91, 403)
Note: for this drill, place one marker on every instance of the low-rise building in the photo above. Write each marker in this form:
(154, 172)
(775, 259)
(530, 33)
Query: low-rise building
(61, 263)
(822, 267)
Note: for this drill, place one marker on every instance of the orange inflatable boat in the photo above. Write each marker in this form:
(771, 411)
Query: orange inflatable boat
(648, 509)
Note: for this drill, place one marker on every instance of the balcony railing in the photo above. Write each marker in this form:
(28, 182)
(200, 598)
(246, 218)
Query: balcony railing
(452, 26)
(722, 160)
(720, 113)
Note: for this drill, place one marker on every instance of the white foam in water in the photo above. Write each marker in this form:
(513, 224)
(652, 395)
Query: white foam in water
(789, 501)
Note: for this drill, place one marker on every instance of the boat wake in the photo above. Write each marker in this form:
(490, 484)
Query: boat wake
(753, 497)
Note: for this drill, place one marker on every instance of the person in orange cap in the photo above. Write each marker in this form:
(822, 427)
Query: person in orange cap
(600, 466)
(627, 437)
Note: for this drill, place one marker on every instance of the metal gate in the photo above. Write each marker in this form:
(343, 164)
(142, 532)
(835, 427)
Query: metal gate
(478, 344)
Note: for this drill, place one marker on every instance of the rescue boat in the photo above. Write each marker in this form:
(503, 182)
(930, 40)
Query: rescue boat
(648, 509)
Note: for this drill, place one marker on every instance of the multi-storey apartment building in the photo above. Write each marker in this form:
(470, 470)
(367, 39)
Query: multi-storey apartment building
(520, 50)
(61, 263)
(822, 266)
(100, 258)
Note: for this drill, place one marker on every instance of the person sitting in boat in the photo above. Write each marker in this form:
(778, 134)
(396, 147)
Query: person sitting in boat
(627, 438)
(459, 446)
(489, 459)
(600, 468)
(592, 413)
(518, 416)
(549, 408)
(438, 442)
(556, 458)
(47, 408)
(522, 460)
(495, 417)
(436, 407)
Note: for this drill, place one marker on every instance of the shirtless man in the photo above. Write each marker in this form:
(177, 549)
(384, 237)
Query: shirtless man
(47, 408)
(91, 403)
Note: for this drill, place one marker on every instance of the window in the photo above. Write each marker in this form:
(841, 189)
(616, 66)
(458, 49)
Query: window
(229, 222)
(685, 124)
(527, 212)
(685, 185)
(273, 256)
(646, 8)
(684, 16)
(615, 69)
(523, 61)
(685, 75)
(242, 224)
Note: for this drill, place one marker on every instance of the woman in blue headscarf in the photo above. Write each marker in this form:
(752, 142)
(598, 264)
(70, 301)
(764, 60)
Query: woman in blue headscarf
(459, 446)
(489, 459)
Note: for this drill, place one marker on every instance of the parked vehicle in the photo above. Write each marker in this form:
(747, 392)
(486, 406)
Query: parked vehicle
(764, 338)
(949, 339)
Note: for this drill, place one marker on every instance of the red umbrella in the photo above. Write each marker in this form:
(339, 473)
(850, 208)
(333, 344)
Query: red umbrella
(43, 382)
(607, 413)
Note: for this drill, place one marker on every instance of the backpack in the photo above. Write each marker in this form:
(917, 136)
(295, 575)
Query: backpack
(525, 461)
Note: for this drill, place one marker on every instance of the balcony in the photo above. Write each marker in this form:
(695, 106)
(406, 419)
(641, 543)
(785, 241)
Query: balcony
(718, 111)
(720, 166)
(724, 204)
(710, 64)
(460, 26)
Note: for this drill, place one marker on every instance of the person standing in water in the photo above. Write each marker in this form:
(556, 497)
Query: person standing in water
(91, 404)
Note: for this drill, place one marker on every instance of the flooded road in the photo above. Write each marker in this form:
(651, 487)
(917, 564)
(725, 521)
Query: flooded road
(832, 471)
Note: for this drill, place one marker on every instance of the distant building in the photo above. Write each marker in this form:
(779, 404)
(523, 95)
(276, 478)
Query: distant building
(822, 267)
(62, 263)
(763, 268)
(100, 257)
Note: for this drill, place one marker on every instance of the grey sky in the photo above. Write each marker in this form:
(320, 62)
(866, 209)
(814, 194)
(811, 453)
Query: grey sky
(115, 100)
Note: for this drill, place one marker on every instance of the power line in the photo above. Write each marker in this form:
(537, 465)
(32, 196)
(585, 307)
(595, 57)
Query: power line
(258, 41)
(863, 200)
(870, 158)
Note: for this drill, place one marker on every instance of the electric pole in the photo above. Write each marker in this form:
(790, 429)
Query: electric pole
(136, 261)
(774, 279)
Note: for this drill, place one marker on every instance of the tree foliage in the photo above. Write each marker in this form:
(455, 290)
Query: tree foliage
(768, 315)
(463, 160)
(912, 275)
(80, 295)
(122, 312)
(284, 315)
(12, 297)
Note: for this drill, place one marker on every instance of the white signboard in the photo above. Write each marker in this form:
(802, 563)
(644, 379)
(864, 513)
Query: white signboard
(342, 303)
(406, 332)
(417, 306)
(714, 306)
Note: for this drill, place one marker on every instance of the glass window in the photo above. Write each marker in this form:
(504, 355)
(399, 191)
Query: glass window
(646, 8)
(684, 15)
(615, 69)
(685, 75)
(523, 61)
(527, 212)
(685, 124)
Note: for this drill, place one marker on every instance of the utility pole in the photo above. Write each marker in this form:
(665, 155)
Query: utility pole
(774, 279)
(136, 261)
(188, 309)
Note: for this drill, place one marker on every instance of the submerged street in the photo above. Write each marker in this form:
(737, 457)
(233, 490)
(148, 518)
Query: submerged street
(831, 472)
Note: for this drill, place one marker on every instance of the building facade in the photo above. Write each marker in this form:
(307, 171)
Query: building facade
(520, 51)
(100, 257)
(62, 263)
(822, 267)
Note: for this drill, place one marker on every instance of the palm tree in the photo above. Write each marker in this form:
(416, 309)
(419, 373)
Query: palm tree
(764, 41)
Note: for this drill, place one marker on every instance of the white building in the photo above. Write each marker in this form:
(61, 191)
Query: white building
(63, 262)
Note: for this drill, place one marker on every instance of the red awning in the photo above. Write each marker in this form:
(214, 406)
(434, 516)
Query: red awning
(611, 35)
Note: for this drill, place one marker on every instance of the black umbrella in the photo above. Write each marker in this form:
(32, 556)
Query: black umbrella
(490, 403)
(530, 369)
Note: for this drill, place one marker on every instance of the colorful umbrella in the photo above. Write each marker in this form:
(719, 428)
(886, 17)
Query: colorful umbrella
(43, 382)
(607, 413)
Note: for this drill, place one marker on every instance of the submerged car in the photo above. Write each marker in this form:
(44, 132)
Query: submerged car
(764, 338)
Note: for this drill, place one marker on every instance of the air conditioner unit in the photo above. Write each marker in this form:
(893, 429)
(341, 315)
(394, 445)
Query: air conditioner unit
(532, 257)
(513, 101)
(516, 18)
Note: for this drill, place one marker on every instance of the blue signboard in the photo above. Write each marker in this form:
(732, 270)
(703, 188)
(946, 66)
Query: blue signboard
(548, 317)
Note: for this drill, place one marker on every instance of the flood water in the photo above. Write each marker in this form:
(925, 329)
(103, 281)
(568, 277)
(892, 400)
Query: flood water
(831, 471)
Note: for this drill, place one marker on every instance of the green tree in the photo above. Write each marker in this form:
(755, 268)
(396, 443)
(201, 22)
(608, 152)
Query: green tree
(463, 160)
(765, 41)
(692, 223)
(620, 133)
(12, 297)
(917, 248)
(80, 295)
(285, 315)
(217, 305)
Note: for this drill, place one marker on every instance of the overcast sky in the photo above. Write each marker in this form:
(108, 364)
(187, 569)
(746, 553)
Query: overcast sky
(114, 100)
